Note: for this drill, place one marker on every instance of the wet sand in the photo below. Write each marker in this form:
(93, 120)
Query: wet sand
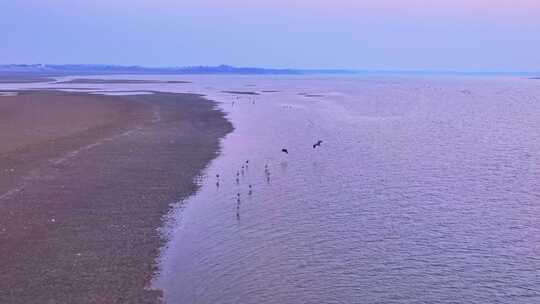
(241, 92)
(64, 88)
(22, 78)
(117, 81)
(85, 182)
(310, 95)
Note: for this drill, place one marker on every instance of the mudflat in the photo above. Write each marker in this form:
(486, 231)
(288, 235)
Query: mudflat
(85, 183)
(23, 78)
(118, 81)
(241, 92)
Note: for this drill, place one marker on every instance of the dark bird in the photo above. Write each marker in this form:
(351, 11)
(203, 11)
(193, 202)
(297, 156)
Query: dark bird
(317, 144)
(285, 151)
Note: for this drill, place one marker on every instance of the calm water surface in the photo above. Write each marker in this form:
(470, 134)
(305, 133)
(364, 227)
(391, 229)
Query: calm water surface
(423, 191)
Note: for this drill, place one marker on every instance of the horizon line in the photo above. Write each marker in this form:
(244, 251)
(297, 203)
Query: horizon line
(223, 68)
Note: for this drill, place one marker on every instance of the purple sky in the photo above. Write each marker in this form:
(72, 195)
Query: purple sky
(463, 35)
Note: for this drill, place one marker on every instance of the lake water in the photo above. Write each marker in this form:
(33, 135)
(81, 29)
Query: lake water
(424, 190)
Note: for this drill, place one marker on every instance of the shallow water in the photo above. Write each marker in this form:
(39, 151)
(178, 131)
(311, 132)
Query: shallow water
(424, 190)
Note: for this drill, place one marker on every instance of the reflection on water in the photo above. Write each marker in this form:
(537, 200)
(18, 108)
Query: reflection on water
(422, 191)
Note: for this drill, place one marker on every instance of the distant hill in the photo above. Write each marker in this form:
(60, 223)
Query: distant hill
(80, 69)
(102, 69)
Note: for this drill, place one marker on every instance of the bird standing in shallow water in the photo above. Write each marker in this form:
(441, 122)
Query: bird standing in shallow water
(285, 151)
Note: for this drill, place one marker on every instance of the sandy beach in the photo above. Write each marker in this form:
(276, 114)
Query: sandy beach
(85, 182)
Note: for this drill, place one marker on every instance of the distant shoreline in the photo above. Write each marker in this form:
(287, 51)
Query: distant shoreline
(85, 183)
(23, 78)
(116, 81)
(51, 70)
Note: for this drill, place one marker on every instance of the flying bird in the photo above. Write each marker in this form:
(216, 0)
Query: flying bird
(317, 144)
(285, 151)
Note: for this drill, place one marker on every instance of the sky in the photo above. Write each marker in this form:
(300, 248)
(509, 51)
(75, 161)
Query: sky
(450, 35)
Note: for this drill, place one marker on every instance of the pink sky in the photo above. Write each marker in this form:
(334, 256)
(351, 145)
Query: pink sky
(378, 34)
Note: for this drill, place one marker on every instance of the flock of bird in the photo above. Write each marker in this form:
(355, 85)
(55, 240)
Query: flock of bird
(245, 166)
(243, 170)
